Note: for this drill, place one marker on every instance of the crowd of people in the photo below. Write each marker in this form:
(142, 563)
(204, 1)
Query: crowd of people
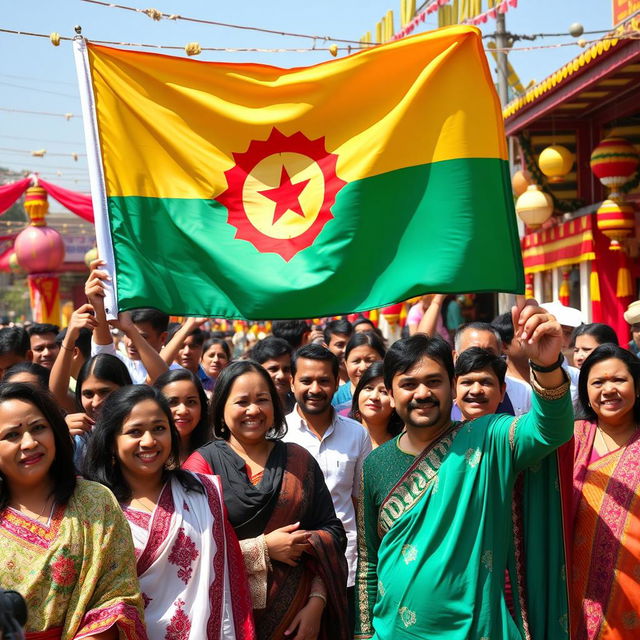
(465, 481)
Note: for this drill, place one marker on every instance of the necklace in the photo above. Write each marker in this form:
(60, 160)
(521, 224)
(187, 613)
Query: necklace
(602, 434)
(41, 515)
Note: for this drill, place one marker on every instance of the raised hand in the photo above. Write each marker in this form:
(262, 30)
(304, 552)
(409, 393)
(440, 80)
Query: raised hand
(538, 331)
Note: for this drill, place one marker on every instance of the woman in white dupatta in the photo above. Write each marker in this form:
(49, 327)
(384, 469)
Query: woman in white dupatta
(189, 564)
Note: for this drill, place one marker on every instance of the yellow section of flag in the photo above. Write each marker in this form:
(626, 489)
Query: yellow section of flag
(169, 126)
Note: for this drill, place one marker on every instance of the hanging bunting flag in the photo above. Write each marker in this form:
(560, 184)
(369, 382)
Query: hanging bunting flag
(245, 190)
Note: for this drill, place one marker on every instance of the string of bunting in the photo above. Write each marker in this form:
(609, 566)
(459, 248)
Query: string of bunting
(66, 116)
(157, 15)
(432, 7)
(194, 48)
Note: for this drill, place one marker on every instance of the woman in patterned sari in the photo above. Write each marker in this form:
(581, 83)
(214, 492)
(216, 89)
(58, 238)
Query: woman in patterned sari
(606, 548)
(293, 543)
(59, 535)
(188, 560)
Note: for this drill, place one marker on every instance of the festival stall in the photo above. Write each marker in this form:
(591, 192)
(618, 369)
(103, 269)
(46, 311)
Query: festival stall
(577, 141)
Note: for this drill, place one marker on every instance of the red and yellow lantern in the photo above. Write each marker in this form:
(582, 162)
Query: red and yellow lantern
(36, 205)
(616, 219)
(614, 162)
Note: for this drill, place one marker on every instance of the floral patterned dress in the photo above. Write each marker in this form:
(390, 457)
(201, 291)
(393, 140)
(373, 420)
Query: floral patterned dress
(76, 571)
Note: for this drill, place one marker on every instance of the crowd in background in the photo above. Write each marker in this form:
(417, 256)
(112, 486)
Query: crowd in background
(160, 479)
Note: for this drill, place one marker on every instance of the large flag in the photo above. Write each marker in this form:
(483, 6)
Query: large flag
(246, 190)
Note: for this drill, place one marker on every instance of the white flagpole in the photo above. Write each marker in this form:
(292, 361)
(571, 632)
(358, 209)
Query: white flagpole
(96, 173)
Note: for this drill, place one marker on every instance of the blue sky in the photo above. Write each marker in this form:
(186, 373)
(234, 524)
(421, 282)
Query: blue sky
(36, 76)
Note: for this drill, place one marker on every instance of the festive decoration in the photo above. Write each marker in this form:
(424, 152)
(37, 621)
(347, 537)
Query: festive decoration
(193, 49)
(333, 50)
(520, 181)
(614, 162)
(14, 265)
(555, 162)
(90, 256)
(624, 282)
(528, 291)
(563, 293)
(616, 219)
(36, 205)
(40, 251)
(55, 38)
(392, 314)
(534, 206)
(594, 291)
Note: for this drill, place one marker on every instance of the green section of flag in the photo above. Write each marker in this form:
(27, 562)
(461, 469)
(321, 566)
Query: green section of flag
(447, 227)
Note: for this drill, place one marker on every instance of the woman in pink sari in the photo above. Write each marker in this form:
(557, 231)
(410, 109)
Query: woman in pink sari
(605, 585)
(189, 564)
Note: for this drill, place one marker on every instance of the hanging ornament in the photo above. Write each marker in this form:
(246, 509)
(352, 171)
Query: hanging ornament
(520, 181)
(614, 162)
(563, 294)
(616, 219)
(534, 207)
(555, 162)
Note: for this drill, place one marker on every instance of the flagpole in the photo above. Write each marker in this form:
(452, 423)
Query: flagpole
(96, 173)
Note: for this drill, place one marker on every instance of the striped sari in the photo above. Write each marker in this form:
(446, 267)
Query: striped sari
(606, 549)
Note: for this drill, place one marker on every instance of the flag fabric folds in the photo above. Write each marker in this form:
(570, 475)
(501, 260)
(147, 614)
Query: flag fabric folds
(246, 190)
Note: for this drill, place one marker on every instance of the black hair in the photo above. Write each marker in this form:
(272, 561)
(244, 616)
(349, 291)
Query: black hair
(503, 324)
(368, 338)
(62, 471)
(14, 340)
(602, 333)
(199, 336)
(478, 359)
(477, 326)
(101, 463)
(362, 320)
(221, 394)
(341, 327)
(269, 349)
(104, 366)
(41, 328)
(405, 353)
(157, 319)
(201, 433)
(221, 341)
(83, 341)
(293, 331)
(42, 373)
(606, 352)
(376, 370)
(315, 351)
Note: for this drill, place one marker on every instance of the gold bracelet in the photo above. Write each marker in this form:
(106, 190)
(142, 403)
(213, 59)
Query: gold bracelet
(67, 348)
(317, 594)
(550, 394)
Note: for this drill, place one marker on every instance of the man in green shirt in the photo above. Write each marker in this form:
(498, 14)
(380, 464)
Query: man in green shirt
(435, 521)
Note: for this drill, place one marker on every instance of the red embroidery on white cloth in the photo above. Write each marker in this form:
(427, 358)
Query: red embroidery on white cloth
(180, 625)
(183, 555)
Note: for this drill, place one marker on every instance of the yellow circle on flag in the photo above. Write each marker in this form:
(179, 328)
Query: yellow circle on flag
(274, 218)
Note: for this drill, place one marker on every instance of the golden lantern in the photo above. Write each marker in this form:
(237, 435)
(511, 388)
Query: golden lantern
(36, 205)
(534, 207)
(520, 181)
(556, 162)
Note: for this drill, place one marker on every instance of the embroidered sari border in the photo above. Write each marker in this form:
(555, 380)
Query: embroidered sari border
(160, 525)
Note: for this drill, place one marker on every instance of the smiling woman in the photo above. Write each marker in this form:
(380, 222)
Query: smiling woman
(188, 560)
(58, 535)
(292, 542)
(606, 506)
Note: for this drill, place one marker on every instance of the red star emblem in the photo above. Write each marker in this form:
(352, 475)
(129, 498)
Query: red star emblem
(295, 173)
(286, 196)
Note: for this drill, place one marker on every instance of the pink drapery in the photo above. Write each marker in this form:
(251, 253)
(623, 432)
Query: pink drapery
(77, 203)
(9, 193)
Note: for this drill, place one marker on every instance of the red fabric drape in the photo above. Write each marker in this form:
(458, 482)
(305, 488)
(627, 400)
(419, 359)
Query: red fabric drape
(9, 193)
(78, 203)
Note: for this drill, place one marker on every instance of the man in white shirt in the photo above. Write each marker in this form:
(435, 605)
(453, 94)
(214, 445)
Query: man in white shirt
(339, 444)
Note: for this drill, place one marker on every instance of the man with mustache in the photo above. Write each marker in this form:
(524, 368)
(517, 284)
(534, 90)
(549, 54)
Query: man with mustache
(479, 382)
(435, 511)
(338, 443)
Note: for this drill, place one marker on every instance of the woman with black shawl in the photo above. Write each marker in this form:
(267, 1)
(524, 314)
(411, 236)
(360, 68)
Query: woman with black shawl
(292, 542)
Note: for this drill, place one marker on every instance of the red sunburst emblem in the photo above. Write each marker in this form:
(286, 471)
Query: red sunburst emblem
(280, 192)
